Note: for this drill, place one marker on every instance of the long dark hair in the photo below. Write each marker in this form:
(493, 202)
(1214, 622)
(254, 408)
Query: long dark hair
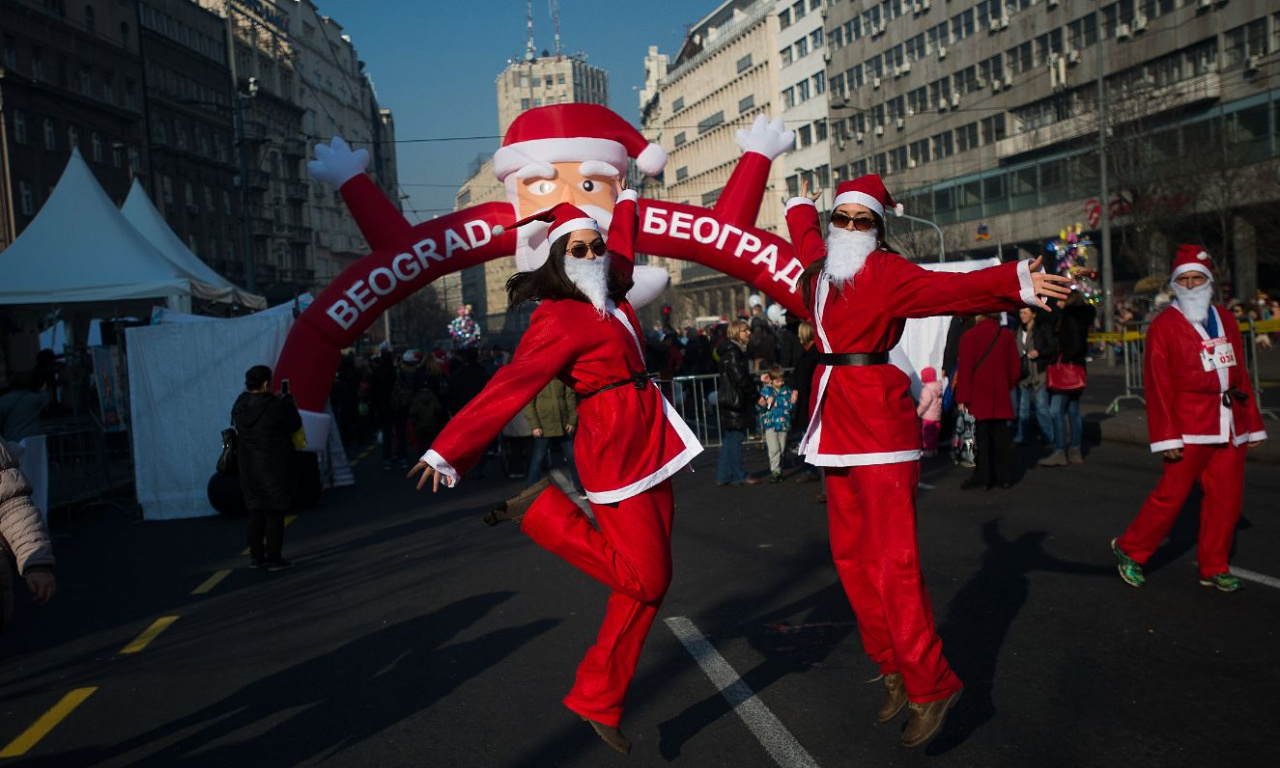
(809, 277)
(550, 281)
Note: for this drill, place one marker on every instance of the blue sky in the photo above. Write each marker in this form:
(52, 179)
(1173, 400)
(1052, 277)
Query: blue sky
(434, 63)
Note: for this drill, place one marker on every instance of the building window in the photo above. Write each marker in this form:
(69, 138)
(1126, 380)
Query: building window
(747, 103)
(166, 189)
(682, 173)
(802, 48)
(117, 155)
(50, 134)
(788, 98)
(967, 137)
(815, 39)
(785, 53)
(209, 206)
(784, 18)
(798, 10)
(709, 198)
(189, 193)
(524, 104)
(804, 136)
(680, 139)
(135, 161)
(73, 137)
(819, 83)
(710, 122)
(744, 63)
(26, 200)
(86, 83)
(19, 127)
(802, 91)
(678, 104)
(819, 130)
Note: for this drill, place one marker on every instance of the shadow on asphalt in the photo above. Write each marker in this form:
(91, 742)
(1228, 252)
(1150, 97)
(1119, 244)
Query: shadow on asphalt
(329, 703)
(980, 616)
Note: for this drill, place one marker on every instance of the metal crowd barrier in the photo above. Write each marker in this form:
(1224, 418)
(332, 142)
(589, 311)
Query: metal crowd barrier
(689, 394)
(1250, 334)
(85, 463)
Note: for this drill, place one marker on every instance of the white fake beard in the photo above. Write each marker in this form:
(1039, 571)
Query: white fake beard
(847, 252)
(532, 247)
(591, 276)
(1194, 302)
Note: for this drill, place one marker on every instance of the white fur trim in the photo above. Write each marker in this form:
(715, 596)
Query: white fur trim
(793, 202)
(1166, 445)
(629, 194)
(598, 168)
(652, 160)
(859, 198)
(1254, 437)
(1204, 439)
(1027, 289)
(536, 170)
(1192, 267)
(515, 156)
(692, 448)
(898, 210)
(861, 459)
(572, 225)
(437, 462)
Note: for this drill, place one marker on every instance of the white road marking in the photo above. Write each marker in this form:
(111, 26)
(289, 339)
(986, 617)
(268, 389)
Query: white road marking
(1270, 581)
(926, 486)
(763, 724)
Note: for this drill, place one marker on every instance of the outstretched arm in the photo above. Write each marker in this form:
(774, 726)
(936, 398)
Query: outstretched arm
(382, 225)
(919, 292)
(804, 227)
(623, 229)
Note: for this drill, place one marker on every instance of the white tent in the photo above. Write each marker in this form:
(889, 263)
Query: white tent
(80, 249)
(183, 379)
(208, 285)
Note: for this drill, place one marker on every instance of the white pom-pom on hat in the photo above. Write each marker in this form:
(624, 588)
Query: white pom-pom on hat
(898, 210)
(651, 160)
(498, 229)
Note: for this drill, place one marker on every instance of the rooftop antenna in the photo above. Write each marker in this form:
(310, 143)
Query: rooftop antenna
(529, 52)
(555, 17)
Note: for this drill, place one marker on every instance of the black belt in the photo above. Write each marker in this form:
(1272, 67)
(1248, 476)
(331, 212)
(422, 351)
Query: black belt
(854, 358)
(639, 378)
(1233, 394)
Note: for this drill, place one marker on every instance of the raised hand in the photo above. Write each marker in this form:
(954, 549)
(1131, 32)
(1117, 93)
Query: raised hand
(336, 163)
(804, 190)
(427, 472)
(768, 138)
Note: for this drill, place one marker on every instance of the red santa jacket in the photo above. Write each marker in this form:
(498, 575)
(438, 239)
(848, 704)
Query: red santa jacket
(865, 414)
(1185, 401)
(628, 439)
(984, 386)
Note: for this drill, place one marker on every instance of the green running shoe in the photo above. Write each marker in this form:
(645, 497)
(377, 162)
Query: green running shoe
(1225, 582)
(1129, 569)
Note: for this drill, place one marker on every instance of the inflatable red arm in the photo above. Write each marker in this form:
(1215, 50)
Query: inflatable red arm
(739, 203)
(381, 224)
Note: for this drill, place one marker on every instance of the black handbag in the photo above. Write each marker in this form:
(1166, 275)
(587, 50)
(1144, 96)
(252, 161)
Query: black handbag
(229, 460)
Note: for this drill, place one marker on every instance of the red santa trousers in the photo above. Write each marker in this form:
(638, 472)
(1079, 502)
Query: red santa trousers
(872, 516)
(630, 554)
(1220, 470)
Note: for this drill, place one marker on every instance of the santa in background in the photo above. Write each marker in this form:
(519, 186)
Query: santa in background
(1202, 416)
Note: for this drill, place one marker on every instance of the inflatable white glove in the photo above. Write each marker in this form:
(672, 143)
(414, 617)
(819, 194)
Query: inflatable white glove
(768, 138)
(336, 164)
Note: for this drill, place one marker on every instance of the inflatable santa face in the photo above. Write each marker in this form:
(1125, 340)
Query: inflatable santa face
(567, 153)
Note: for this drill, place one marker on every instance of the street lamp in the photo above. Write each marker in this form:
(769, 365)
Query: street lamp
(942, 247)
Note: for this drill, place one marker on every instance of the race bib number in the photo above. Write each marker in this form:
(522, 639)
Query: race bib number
(1216, 354)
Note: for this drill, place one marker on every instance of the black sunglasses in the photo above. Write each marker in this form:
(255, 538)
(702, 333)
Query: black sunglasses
(579, 250)
(860, 223)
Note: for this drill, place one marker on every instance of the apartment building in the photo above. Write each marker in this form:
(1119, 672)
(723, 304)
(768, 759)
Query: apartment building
(190, 112)
(984, 117)
(70, 77)
(802, 76)
(727, 72)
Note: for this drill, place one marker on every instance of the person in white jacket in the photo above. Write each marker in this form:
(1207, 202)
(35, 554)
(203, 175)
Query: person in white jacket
(23, 536)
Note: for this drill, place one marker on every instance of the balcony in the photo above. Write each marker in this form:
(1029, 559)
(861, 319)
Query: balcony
(297, 190)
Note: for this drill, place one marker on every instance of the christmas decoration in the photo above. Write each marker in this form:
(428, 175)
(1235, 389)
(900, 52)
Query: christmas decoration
(463, 329)
(1073, 251)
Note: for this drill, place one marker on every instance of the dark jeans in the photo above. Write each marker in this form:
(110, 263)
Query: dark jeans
(731, 468)
(394, 435)
(992, 442)
(541, 450)
(266, 527)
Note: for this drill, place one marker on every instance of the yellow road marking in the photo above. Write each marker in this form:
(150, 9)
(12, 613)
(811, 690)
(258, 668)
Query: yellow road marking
(149, 634)
(47, 722)
(210, 583)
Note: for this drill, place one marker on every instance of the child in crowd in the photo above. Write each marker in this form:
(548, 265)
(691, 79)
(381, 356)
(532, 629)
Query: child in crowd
(930, 410)
(776, 404)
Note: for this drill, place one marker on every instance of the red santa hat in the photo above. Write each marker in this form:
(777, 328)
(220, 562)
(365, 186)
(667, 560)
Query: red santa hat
(1191, 258)
(567, 133)
(868, 191)
(563, 218)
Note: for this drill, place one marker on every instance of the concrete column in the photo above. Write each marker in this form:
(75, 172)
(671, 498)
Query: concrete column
(1244, 262)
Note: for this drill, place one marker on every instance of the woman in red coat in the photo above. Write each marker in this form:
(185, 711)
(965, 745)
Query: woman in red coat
(986, 373)
(630, 441)
(863, 427)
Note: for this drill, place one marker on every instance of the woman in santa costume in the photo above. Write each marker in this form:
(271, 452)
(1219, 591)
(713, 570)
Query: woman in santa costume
(863, 427)
(1201, 415)
(629, 441)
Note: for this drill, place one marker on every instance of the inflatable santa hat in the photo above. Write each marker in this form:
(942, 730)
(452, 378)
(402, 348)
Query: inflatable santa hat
(868, 191)
(1191, 258)
(563, 218)
(574, 133)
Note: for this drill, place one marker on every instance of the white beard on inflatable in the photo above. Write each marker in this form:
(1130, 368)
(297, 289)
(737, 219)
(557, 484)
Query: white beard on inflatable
(847, 252)
(591, 276)
(1194, 302)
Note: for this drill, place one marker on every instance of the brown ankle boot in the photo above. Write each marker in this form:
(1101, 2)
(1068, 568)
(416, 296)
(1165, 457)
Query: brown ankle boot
(895, 697)
(514, 508)
(926, 719)
(610, 736)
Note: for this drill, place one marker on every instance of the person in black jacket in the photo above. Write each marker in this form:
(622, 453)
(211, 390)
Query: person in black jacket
(736, 398)
(806, 366)
(1073, 324)
(1037, 347)
(264, 423)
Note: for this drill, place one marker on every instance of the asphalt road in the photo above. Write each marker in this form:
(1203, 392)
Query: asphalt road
(410, 634)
